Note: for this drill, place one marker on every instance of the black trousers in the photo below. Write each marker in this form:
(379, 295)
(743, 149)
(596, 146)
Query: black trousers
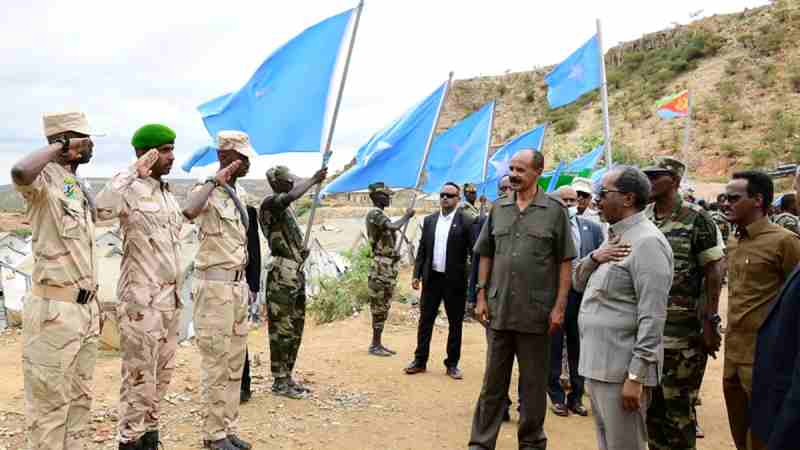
(246, 372)
(433, 292)
(532, 351)
(570, 328)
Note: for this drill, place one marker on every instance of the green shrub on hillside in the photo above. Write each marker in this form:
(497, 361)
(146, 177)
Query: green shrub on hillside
(760, 157)
(339, 298)
(566, 125)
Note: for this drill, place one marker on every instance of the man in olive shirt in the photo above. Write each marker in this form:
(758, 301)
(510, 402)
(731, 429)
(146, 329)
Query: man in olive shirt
(525, 253)
(761, 255)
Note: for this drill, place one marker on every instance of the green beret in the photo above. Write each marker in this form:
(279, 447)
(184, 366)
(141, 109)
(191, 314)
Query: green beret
(151, 136)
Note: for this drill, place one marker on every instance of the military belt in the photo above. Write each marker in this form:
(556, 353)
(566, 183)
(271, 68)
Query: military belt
(220, 275)
(286, 262)
(64, 294)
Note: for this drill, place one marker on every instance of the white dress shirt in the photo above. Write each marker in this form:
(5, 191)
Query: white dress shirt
(443, 224)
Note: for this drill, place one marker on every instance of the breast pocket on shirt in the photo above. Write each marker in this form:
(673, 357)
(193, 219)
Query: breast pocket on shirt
(618, 280)
(502, 241)
(72, 220)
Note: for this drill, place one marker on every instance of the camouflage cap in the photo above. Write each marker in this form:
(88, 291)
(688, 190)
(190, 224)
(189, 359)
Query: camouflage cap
(380, 186)
(668, 165)
(470, 187)
(237, 141)
(278, 173)
(57, 123)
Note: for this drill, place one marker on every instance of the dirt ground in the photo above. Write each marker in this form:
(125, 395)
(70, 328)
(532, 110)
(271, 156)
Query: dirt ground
(359, 401)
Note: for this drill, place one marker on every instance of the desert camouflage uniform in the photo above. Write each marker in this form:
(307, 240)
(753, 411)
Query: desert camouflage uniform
(220, 294)
(59, 334)
(724, 226)
(149, 310)
(693, 237)
(286, 284)
(788, 221)
(383, 269)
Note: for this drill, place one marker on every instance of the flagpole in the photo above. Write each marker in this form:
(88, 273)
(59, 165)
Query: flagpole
(425, 156)
(688, 128)
(486, 160)
(604, 92)
(327, 155)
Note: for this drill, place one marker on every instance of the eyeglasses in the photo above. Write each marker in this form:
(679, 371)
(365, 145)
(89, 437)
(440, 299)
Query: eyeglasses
(446, 195)
(603, 191)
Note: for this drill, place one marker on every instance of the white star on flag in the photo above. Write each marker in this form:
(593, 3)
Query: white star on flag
(577, 72)
(500, 165)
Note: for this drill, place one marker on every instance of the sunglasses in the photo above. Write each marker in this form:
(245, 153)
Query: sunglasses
(603, 191)
(446, 195)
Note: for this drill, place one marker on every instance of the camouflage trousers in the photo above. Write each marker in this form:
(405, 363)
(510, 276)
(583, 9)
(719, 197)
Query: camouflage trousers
(670, 418)
(286, 299)
(221, 326)
(380, 300)
(58, 358)
(148, 341)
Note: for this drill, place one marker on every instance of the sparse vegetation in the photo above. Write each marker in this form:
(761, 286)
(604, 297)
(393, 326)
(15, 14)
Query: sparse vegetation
(339, 298)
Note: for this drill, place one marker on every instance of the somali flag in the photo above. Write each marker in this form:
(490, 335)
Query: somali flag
(673, 106)
(578, 74)
(287, 103)
(498, 163)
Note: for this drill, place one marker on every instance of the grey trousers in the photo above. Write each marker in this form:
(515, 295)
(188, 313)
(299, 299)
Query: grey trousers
(533, 356)
(617, 429)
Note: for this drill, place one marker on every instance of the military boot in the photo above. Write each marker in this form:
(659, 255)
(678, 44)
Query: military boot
(221, 444)
(151, 441)
(238, 443)
(284, 388)
(133, 445)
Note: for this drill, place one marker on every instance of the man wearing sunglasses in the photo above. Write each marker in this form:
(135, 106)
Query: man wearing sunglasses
(761, 256)
(625, 286)
(525, 252)
(441, 267)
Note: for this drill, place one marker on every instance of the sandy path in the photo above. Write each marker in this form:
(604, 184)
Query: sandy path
(360, 402)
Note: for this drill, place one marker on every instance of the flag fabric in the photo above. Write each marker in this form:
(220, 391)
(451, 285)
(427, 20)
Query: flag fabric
(286, 104)
(498, 163)
(551, 186)
(458, 154)
(581, 167)
(673, 106)
(203, 156)
(577, 75)
(394, 154)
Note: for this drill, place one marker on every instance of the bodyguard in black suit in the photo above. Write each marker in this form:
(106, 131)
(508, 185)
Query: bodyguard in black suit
(441, 267)
(775, 404)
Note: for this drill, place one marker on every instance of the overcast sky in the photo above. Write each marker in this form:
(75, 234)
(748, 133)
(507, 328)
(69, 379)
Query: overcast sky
(130, 63)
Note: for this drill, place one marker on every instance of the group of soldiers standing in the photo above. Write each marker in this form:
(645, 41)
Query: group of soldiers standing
(62, 319)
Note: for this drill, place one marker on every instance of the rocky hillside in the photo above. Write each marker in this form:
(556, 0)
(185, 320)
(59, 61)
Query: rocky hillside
(743, 71)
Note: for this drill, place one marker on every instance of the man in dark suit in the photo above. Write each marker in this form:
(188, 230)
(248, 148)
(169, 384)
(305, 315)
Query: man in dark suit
(775, 404)
(253, 275)
(587, 235)
(441, 267)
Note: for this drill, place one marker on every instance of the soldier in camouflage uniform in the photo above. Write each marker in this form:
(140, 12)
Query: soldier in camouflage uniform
(219, 290)
(382, 234)
(149, 307)
(286, 283)
(787, 214)
(61, 316)
(688, 340)
(470, 197)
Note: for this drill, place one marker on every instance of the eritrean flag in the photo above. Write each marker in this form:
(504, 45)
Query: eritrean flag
(675, 105)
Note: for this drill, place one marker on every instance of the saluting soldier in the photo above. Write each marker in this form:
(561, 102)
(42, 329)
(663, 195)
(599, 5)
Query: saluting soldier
(689, 337)
(61, 316)
(219, 289)
(286, 283)
(382, 234)
(149, 310)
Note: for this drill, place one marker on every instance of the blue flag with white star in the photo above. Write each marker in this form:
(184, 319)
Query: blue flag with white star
(577, 75)
(498, 163)
(457, 155)
(394, 154)
(285, 106)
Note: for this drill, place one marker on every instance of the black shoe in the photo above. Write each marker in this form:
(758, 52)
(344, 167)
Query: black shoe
(221, 444)
(414, 368)
(560, 409)
(379, 350)
(578, 409)
(282, 387)
(151, 441)
(244, 396)
(238, 443)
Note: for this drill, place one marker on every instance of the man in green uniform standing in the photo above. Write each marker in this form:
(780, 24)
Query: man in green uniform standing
(470, 197)
(382, 235)
(286, 282)
(688, 337)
